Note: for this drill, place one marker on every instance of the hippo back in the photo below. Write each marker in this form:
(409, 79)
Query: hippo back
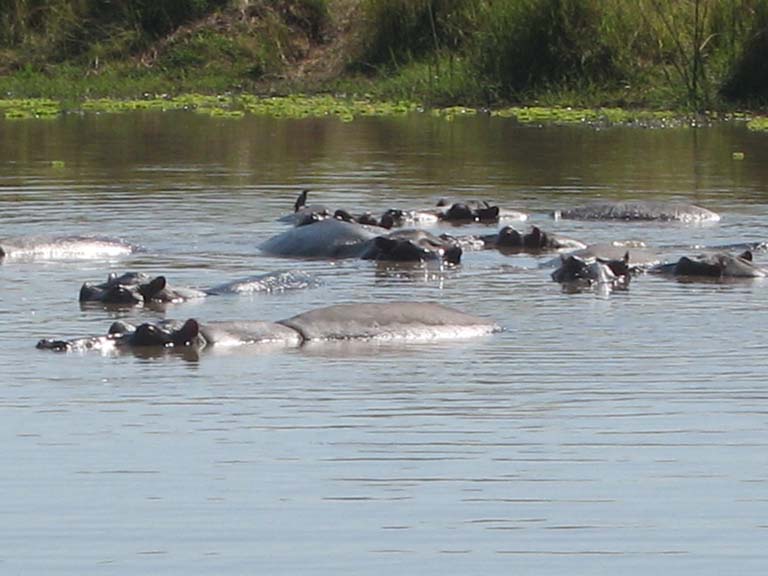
(391, 320)
(248, 332)
(639, 210)
(325, 239)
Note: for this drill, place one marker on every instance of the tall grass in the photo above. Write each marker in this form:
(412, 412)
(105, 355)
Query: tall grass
(397, 32)
(686, 52)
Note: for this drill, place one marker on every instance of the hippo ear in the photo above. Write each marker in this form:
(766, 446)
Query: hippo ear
(747, 255)
(488, 213)
(155, 285)
(111, 277)
(442, 202)
(185, 335)
(343, 215)
(626, 257)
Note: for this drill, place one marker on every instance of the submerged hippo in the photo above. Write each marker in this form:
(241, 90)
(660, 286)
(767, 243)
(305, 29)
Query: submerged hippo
(366, 322)
(641, 256)
(338, 239)
(639, 210)
(134, 288)
(577, 272)
(510, 240)
(64, 248)
(717, 265)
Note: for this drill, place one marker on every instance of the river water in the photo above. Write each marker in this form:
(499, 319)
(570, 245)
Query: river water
(598, 434)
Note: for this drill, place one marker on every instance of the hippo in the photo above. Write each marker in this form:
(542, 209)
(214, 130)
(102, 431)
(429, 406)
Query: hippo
(65, 248)
(642, 257)
(716, 265)
(510, 240)
(411, 321)
(474, 211)
(577, 272)
(639, 210)
(135, 288)
(337, 239)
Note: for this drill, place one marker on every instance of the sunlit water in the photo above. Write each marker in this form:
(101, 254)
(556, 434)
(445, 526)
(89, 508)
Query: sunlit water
(599, 434)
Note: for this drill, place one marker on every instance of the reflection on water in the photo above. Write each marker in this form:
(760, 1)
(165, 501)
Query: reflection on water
(599, 433)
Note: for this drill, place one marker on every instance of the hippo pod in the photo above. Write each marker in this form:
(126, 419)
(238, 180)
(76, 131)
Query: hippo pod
(64, 248)
(338, 239)
(134, 288)
(639, 210)
(510, 240)
(366, 322)
(580, 272)
(456, 213)
(717, 265)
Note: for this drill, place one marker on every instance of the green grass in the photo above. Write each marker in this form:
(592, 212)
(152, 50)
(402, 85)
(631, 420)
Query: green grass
(690, 55)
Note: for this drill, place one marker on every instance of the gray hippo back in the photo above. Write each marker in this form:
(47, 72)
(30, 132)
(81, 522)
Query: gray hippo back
(639, 210)
(65, 248)
(329, 238)
(402, 320)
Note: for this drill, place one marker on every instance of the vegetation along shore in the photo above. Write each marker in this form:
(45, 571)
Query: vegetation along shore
(534, 56)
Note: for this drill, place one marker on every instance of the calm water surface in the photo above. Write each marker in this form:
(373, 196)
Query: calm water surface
(599, 434)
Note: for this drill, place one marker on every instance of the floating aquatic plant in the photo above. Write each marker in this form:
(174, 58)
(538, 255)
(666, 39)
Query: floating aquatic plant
(758, 123)
(323, 106)
(591, 116)
(25, 108)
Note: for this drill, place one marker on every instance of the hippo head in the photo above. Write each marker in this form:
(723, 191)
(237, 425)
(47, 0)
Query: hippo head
(572, 268)
(189, 334)
(487, 213)
(128, 278)
(122, 294)
(408, 250)
(119, 328)
(156, 290)
(576, 270)
(620, 268)
(367, 219)
(392, 218)
(458, 212)
(694, 267)
(535, 238)
(509, 238)
(148, 334)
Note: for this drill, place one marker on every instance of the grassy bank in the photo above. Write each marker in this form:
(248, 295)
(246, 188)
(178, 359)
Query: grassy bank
(691, 54)
(681, 54)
